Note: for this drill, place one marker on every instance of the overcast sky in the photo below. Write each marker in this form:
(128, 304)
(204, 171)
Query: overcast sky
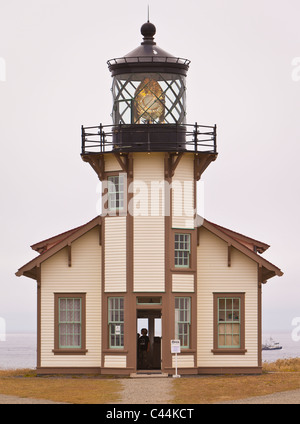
(243, 77)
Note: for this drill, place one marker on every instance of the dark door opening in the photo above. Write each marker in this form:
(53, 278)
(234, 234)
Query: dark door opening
(149, 359)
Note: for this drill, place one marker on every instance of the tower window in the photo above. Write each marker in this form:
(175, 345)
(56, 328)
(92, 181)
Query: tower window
(115, 192)
(116, 322)
(182, 250)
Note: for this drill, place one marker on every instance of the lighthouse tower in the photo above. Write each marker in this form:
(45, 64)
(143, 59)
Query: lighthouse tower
(149, 161)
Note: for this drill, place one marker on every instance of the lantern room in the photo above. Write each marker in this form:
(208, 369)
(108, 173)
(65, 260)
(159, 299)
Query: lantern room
(149, 84)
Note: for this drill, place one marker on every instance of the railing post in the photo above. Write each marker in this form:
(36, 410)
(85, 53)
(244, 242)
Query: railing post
(120, 135)
(101, 141)
(196, 136)
(215, 139)
(82, 140)
(148, 136)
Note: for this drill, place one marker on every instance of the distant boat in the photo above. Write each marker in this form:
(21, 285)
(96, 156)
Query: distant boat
(271, 345)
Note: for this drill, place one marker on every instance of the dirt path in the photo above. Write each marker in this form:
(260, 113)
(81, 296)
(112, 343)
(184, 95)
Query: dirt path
(146, 390)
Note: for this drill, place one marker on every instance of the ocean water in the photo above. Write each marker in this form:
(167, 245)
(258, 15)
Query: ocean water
(19, 350)
(290, 348)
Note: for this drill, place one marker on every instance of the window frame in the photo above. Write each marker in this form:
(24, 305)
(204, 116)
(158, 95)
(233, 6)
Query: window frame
(230, 350)
(69, 350)
(112, 322)
(119, 195)
(188, 266)
(184, 322)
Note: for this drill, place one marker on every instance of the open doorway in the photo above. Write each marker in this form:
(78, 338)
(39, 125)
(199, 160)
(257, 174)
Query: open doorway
(149, 341)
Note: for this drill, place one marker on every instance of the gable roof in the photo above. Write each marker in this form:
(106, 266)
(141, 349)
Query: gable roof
(255, 245)
(244, 244)
(49, 247)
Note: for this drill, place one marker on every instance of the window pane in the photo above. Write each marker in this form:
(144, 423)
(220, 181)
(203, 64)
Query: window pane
(236, 303)
(63, 304)
(62, 316)
(62, 340)
(77, 304)
(221, 304)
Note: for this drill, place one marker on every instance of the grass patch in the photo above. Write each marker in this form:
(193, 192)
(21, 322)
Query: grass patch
(282, 365)
(82, 390)
(277, 377)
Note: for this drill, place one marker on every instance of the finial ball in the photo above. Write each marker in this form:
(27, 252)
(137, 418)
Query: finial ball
(148, 30)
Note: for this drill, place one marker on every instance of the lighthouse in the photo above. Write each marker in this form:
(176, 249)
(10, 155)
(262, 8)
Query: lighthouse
(149, 161)
(148, 273)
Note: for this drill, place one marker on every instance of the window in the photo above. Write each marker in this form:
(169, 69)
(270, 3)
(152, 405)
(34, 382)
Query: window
(183, 320)
(182, 250)
(116, 322)
(69, 331)
(69, 322)
(229, 323)
(229, 326)
(115, 186)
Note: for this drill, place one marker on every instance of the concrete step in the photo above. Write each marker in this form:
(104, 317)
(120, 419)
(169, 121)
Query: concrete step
(148, 374)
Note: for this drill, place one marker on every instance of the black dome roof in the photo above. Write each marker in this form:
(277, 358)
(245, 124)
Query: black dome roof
(148, 57)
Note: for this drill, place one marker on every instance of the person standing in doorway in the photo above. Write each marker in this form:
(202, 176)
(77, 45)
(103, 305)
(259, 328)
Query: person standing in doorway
(144, 347)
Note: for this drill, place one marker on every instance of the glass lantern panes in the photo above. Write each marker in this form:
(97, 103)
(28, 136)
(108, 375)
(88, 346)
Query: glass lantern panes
(155, 98)
(229, 322)
(116, 322)
(69, 323)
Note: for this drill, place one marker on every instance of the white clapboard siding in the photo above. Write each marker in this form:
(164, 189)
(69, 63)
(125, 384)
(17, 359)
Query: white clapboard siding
(111, 163)
(183, 361)
(115, 361)
(183, 193)
(84, 276)
(115, 254)
(214, 275)
(183, 283)
(149, 223)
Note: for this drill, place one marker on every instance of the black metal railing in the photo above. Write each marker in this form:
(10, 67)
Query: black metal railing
(148, 59)
(149, 138)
